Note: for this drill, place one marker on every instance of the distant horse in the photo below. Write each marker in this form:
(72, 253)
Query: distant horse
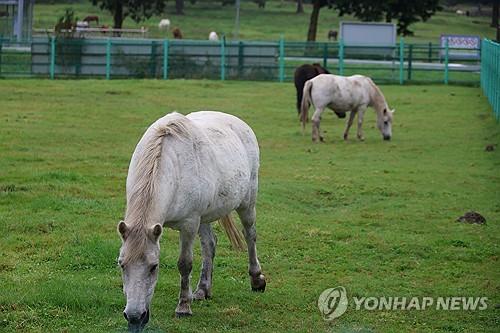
(304, 73)
(186, 172)
(164, 24)
(213, 36)
(177, 33)
(92, 18)
(332, 34)
(104, 28)
(353, 93)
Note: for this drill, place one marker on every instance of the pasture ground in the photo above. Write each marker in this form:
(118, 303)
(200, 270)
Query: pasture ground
(277, 18)
(375, 217)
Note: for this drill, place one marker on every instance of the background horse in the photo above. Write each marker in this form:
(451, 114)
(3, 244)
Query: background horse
(186, 172)
(91, 18)
(342, 94)
(304, 73)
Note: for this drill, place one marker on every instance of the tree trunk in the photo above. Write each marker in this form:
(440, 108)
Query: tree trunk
(300, 7)
(313, 22)
(494, 14)
(179, 7)
(118, 18)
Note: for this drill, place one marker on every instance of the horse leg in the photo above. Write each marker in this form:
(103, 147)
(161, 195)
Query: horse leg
(349, 123)
(185, 265)
(316, 118)
(257, 279)
(361, 114)
(208, 242)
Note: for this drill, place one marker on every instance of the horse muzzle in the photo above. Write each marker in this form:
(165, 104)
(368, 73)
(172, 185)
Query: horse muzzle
(387, 137)
(136, 322)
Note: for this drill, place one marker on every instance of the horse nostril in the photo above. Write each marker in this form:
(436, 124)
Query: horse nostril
(143, 315)
(125, 315)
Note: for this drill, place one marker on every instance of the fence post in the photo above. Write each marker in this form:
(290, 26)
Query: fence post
(108, 59)
(430, 52)
(1, 42)
(481, 73)
(165, 59)
(223, 58)
(446, 55)
(282, 59)
(401, 60)
(496, 104)
(241, 58)
(341, 56)
(152, 59)
(52, 57)
(410, 60)
(325, 55)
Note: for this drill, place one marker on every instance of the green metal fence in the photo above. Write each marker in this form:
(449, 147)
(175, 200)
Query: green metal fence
(110, 58)
(490, 74)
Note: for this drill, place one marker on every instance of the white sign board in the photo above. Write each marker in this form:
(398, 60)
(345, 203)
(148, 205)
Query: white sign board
(461, 47)
(368, 33)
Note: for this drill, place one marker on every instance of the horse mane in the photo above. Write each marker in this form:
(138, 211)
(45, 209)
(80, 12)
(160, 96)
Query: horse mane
(377, 97)
(143, 191)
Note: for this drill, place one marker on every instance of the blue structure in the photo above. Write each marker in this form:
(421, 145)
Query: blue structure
(16, 18)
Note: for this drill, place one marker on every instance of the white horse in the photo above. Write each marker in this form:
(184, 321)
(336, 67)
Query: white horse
(164, 24)
(186, 172)
(213, 36)
(342, 94)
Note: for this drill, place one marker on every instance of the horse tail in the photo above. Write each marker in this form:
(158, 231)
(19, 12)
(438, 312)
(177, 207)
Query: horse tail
(306, 102)
(299, 97)
(234, 235)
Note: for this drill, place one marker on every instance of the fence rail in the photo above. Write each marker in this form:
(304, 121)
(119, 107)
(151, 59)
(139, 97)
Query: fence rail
(490, 74)
(110, 58)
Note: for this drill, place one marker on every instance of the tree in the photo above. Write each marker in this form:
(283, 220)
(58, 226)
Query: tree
(300, 7)
(405, 12)
(137, 10)
(179, 7)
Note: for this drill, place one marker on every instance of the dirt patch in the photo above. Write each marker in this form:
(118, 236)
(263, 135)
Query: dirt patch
(472, 218)
(490, 147)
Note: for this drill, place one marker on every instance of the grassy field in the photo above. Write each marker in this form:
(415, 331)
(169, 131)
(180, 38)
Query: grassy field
(375, 217)
(278, 18)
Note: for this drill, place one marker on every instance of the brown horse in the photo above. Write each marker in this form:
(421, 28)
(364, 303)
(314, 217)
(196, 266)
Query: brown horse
(177, 33)
(91, 18)
(305, 73)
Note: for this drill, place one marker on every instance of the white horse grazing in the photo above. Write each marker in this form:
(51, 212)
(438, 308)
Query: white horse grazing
(186, 172)
(213, 36)
(342, 94)
(164, 24)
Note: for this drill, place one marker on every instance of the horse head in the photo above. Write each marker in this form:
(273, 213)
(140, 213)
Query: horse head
(384, 122)
(139, 259)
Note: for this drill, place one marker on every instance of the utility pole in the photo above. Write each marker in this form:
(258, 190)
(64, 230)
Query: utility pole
(237, 21)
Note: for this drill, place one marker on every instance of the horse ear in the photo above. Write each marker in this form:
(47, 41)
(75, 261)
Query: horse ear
(156, 232)
(123, 230)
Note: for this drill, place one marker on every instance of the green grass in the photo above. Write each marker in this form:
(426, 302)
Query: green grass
(278, 18)
(375, 217)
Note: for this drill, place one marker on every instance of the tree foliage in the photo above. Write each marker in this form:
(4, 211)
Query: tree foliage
(404, 11)
(137, 10)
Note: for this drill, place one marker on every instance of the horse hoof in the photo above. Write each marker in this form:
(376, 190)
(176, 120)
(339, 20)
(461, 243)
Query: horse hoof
(201, 294)
(183, 314)
(258, 283)
(321, 139)
(261, 288)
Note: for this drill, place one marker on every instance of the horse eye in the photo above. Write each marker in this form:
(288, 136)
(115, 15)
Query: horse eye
(385, 122)
(153, 268)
